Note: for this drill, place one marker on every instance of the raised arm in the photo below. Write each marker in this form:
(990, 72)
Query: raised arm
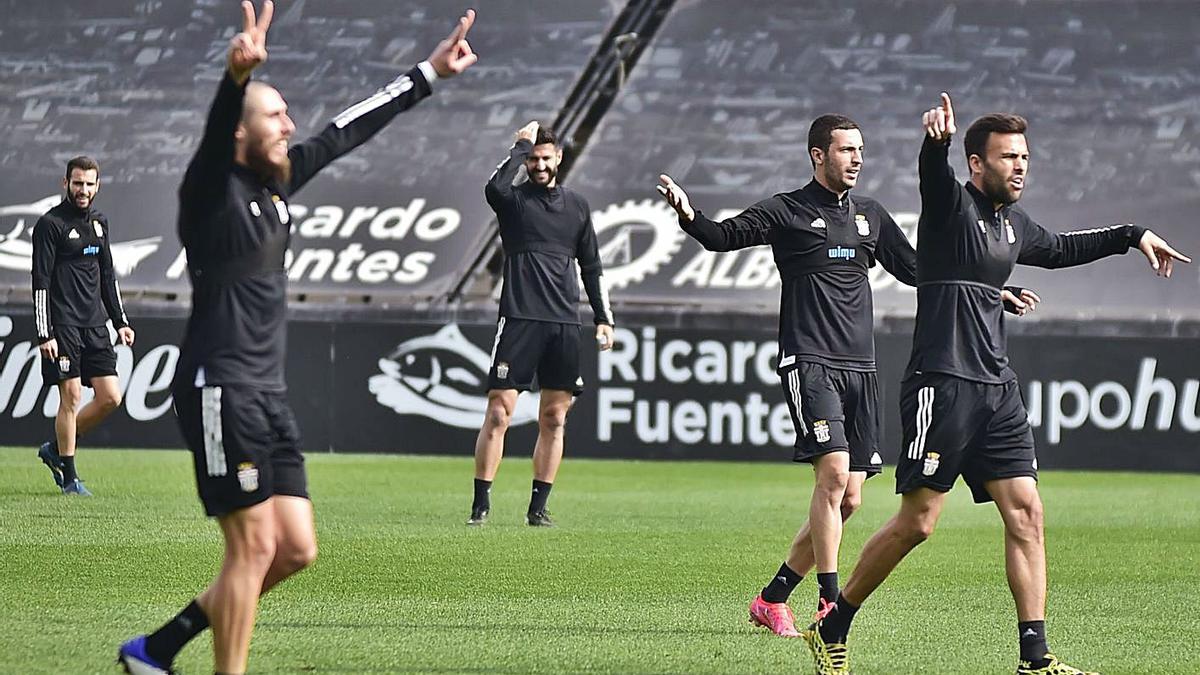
(753, 227)
(205, 179)
(939, 189)
(499, 188)
(358, 123)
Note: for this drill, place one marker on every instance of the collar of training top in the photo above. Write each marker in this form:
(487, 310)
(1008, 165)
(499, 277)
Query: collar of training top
(984, 202)
(69, 207)
(821, 194)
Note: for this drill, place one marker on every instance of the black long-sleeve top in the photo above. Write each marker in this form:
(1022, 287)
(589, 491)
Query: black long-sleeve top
(543, 232)
(966, 250)
(823, 246)
(73, 279)
(234, 225)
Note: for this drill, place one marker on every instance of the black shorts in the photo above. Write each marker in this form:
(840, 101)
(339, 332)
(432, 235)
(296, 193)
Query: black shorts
(245, 445)
(834, 410)
(956, 427)
(82, 352)
(526, 348)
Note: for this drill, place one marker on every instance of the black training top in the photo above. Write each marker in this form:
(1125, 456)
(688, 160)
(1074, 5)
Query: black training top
(543, 232)
(966, 250)
(234, 225)
(73, 280)
(823, 247)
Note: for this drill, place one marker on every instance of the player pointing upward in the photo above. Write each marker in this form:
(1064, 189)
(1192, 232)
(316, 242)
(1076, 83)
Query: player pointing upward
(960, 403)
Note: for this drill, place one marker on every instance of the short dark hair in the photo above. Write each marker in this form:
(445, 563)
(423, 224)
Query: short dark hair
(83, 163)
(975, 142)
(820, 134)
(546, 135)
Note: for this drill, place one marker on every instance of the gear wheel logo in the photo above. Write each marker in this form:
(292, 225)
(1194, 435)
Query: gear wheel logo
(636, 239)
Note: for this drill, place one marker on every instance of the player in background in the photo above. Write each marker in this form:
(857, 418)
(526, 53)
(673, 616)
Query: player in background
(230, 395)
(960, 402)
(824, 242)
(74, 293)
(544, 228)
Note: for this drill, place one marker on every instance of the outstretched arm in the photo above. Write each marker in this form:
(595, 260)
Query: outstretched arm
(499, 188)
(939, 189)
(1040, 248)
(358, 123)
(752, 227)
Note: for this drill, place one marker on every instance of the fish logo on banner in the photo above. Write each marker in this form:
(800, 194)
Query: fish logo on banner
(442, 376)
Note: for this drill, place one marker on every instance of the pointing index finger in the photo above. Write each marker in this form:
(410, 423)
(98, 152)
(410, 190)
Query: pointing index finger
(947, 105)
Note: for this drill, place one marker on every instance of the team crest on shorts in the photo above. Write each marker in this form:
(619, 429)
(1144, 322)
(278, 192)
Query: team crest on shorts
(502, 370)
(821, 431)
(864, 226)
(247, 477)
(64, 363)
(932, 460)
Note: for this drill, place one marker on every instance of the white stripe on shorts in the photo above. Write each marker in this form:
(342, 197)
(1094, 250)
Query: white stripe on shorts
(496, 344)
(794, 388)
(923, 420)
(214, 444)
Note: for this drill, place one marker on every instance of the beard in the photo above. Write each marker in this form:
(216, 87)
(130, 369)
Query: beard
(551, 174)
(998, 190)
(836, 179)
(260, 162)
(70, 197)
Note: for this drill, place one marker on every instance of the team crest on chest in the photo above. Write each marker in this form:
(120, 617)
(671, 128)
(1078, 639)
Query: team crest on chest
(99, 230)
(281, 209)
(1012, 236)
(863, 225)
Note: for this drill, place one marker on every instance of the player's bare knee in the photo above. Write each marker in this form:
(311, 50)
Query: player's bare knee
(915, 530)
(850, 504)
(69, 397)
(497, 417)
(109, 403)
(1026, 521)
(295, 557)
(253, 549)
(553, 418)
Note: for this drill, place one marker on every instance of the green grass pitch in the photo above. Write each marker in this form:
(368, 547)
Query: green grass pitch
(649, 571)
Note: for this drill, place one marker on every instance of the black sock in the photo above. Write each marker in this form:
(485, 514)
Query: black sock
(782, 585)
(68, 468)
(163, 644)
(1033, 642)
(537, 499)
(483, 494)
(827, 582)
(836, 626)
